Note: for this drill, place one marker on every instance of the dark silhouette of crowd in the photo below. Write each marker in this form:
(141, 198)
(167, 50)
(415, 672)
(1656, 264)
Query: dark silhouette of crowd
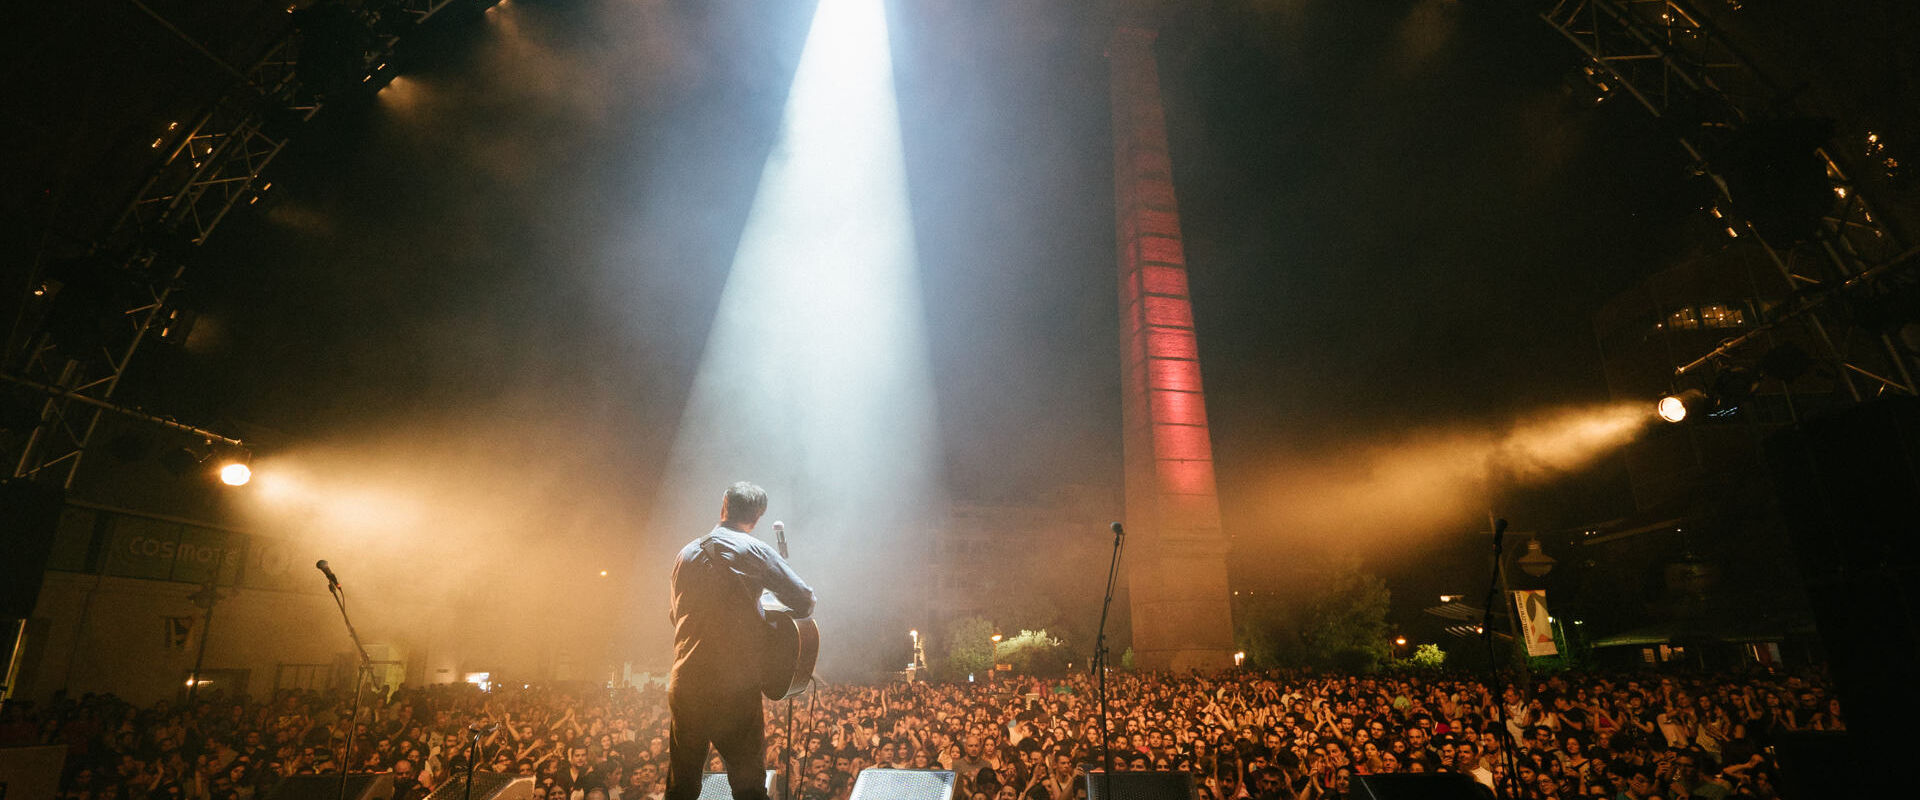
(1243, 735)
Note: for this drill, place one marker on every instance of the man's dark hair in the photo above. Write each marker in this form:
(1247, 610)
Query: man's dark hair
(743, 502)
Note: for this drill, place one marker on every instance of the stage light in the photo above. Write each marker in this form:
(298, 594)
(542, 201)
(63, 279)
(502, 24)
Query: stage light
(236, 474)
(1679, 406)
(234, 465)
(1400, 641)
(187, 460)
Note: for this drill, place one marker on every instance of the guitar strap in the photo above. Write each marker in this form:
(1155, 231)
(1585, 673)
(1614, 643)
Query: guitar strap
(709, 554)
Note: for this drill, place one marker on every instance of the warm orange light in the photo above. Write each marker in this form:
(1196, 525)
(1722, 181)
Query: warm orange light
(603, 573)
(1676, 407)
(236, 474)
(1400, 641)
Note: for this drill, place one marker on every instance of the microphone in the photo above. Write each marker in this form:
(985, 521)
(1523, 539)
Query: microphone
(1499, 528)
(780, 536)
(1117, 531)
(332, 580)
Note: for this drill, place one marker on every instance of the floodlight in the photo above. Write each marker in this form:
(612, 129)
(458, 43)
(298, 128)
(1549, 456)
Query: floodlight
(236, 474)
(1681, 405)
(234, 465)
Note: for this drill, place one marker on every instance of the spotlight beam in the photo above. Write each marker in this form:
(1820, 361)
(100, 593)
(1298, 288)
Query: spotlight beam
(814, 381)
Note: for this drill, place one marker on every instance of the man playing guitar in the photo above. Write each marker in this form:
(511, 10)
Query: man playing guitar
(720, 643)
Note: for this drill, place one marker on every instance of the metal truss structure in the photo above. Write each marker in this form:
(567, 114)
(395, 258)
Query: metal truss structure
(1670, 61)
(212, 165)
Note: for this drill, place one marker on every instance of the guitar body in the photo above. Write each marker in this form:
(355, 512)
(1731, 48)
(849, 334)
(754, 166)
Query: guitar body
(793, 646)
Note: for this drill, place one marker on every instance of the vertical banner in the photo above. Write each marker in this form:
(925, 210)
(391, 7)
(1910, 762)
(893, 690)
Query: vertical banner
(1536, 625)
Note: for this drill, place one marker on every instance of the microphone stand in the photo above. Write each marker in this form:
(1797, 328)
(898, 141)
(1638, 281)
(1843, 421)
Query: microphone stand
(793, 752)
(1100, 663)
(473, 755)
(365, 672)
(1496, 685)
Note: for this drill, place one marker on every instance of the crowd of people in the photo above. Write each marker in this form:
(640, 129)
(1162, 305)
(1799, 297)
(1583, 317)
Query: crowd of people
(1242, 735)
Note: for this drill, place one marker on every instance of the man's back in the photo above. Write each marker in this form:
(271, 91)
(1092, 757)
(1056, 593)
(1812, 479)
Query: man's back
(718, 627)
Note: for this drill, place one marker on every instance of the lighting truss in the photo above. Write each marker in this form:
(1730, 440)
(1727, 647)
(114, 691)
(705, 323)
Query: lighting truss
(212, 164)
(1681, 70)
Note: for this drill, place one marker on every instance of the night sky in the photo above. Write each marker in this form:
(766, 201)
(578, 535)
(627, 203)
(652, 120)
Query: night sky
(1397, 222)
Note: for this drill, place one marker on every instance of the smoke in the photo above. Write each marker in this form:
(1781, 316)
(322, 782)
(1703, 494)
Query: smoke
(1423, 481)
(472, 539)
(601, 293)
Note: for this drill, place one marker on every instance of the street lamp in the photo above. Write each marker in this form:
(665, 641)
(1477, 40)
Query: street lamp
(1534, 562)
(919, 656)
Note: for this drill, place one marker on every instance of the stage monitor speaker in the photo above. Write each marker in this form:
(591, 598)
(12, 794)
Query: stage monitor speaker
(1141, 786)
(487, 786)
(714, 786)
(31, 771)
(360, 786)
(903, 784)
(1429, 786)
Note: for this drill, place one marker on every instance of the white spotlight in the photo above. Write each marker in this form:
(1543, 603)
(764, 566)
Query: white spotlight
(236, 474)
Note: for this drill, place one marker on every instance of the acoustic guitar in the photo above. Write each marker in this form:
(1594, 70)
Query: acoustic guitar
(792, 644)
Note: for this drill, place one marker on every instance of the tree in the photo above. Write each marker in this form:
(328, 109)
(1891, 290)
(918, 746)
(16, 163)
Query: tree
(1345, 621)
(1428, 656)
(1034, 653)
(1035, 594)
(1334, 617)
(969, 648)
